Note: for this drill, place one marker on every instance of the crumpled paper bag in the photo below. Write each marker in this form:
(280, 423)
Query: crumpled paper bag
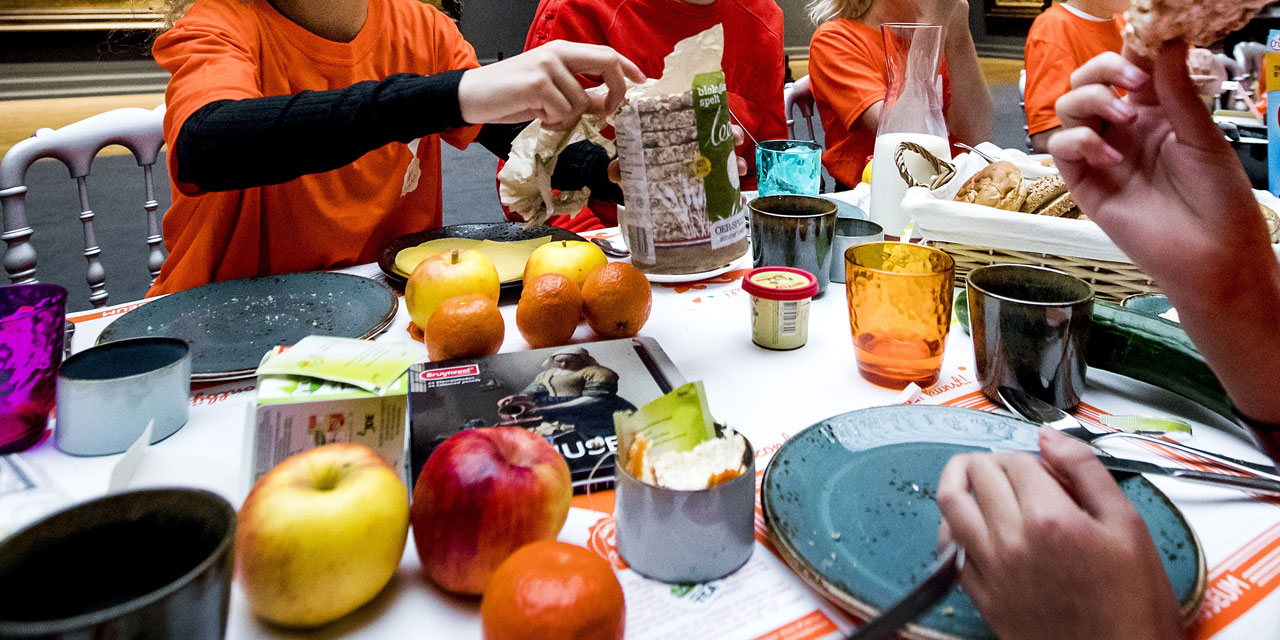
(524, 183)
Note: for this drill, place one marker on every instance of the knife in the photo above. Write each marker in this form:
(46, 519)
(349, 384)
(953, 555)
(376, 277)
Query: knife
(942, 576)
(1240, 482)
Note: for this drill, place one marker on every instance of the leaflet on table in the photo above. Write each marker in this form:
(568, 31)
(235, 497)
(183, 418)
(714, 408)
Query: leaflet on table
(567, 395)
(325, 390)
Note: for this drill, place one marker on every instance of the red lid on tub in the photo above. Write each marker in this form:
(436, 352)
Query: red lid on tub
(780, 283)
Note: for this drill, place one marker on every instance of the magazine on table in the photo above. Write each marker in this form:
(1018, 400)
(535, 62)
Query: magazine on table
(567, 395)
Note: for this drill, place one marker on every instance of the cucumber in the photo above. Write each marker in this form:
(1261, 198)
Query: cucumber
(1148, 349)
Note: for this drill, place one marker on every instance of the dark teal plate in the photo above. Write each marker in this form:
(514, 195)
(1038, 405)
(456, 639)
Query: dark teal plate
(230, 325)
(850, 502)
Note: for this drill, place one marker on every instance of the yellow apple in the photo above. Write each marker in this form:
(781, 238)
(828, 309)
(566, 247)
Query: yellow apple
(454, 273)
(321, 534)
(572, 259)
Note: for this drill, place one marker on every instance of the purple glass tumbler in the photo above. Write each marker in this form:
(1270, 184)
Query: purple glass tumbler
(31, 330)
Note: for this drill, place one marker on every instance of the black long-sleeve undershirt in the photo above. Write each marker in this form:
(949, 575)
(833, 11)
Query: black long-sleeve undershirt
(237, 144)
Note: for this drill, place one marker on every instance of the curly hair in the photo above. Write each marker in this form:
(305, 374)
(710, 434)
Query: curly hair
(821, 11)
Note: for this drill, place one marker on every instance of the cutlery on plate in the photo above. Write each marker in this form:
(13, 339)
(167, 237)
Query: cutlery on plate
(942, 576)
(1035, 410)
(608, 248)
(1251, 483)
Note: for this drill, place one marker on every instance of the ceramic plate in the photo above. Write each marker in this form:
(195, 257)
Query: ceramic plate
(499, 231)
(667, 278)
(850, 502)
(230, 325)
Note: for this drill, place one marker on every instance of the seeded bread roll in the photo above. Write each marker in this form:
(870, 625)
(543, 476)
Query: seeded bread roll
(998, 185)
(1151, 23)
(1042, 192)
(1273, 222)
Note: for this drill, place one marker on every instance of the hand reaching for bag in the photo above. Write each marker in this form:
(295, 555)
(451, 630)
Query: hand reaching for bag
(541, 83)
(1053, 549)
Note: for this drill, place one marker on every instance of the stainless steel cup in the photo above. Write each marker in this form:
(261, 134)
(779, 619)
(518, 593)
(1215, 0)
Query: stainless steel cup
(851, 232)
(686, 536)
(108, 394)
(794, 231)
(1030, 329)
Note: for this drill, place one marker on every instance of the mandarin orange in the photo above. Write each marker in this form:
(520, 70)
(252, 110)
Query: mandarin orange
(464, 327)
(549, 310)
(616, 300)
(551, 589)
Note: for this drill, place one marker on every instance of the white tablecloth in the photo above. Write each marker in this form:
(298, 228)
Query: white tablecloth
(768, 395)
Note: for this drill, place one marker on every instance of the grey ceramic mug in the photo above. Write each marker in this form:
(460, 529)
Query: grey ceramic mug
(1030, 329)
(794, 231)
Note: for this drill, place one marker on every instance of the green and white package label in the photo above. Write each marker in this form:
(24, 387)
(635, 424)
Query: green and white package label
(717, 163)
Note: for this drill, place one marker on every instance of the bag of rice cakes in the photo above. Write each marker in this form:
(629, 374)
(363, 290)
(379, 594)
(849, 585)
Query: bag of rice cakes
(683, 210)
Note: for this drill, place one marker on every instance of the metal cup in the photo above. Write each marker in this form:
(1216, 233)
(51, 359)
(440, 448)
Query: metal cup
(851, 232)
(108, 394)
(681, 536)
(794, 231)
(1030, 330)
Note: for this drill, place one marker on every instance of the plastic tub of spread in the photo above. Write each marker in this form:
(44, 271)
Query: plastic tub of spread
(780, 299)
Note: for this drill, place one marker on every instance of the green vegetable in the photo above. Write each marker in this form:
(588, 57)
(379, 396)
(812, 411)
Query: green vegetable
(1148, 349)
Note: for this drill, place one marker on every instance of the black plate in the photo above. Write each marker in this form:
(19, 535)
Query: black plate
(230, 325)
(498, 231)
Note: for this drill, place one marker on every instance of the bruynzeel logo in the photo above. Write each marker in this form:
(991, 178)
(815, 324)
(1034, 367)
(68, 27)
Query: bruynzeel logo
(451, 372)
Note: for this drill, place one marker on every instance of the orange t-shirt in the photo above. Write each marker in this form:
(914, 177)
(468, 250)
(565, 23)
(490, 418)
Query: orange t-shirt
(847, 75)
(1058, 43)
(237, 49)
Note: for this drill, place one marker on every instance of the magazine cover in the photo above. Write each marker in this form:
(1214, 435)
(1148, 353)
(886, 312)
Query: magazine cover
(565, 394)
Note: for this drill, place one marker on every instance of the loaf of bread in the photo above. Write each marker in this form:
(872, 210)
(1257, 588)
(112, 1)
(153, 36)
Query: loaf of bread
(999, 185)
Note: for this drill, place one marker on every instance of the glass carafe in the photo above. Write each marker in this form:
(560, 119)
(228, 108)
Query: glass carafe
(911, 113)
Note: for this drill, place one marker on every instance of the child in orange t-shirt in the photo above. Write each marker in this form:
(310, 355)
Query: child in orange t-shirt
(290, 125)
(847, 74)
(1061, 39)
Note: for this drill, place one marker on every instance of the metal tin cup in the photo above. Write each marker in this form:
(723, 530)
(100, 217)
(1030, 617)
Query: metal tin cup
(851, 232)
(1030, 330)
(153, 564)
(794, 231)
(108, 394)
(681, 536)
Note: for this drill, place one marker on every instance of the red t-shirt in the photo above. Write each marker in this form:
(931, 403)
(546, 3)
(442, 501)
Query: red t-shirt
(237, 49)
(1058, 43)
(847, 75)
(645, 31)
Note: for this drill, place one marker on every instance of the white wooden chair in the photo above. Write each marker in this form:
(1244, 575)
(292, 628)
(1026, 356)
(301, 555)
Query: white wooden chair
(798, 95)
(76, 145)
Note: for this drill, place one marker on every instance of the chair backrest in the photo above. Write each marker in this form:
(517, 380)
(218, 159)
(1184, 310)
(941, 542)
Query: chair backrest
(1022, 102)
(76, 145)
(798, 95)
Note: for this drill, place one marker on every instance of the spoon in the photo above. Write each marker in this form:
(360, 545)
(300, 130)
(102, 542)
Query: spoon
(608, 248)
(984, 156)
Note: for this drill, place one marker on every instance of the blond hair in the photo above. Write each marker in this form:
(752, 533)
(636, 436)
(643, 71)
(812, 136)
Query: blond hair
(821, 11)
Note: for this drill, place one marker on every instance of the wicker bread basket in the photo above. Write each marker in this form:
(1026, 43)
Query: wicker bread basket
(1112, 281)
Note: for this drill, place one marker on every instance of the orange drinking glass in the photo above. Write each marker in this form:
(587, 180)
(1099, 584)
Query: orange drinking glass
(899, 298)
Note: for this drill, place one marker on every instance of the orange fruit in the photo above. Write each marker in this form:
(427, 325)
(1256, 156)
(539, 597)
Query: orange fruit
(549, 310)
(551, 589)
(464, 327)
(616, 300)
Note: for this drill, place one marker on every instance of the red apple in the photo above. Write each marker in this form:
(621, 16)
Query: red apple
(481, 495)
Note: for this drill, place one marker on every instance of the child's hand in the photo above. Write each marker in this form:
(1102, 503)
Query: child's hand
(541, 83)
